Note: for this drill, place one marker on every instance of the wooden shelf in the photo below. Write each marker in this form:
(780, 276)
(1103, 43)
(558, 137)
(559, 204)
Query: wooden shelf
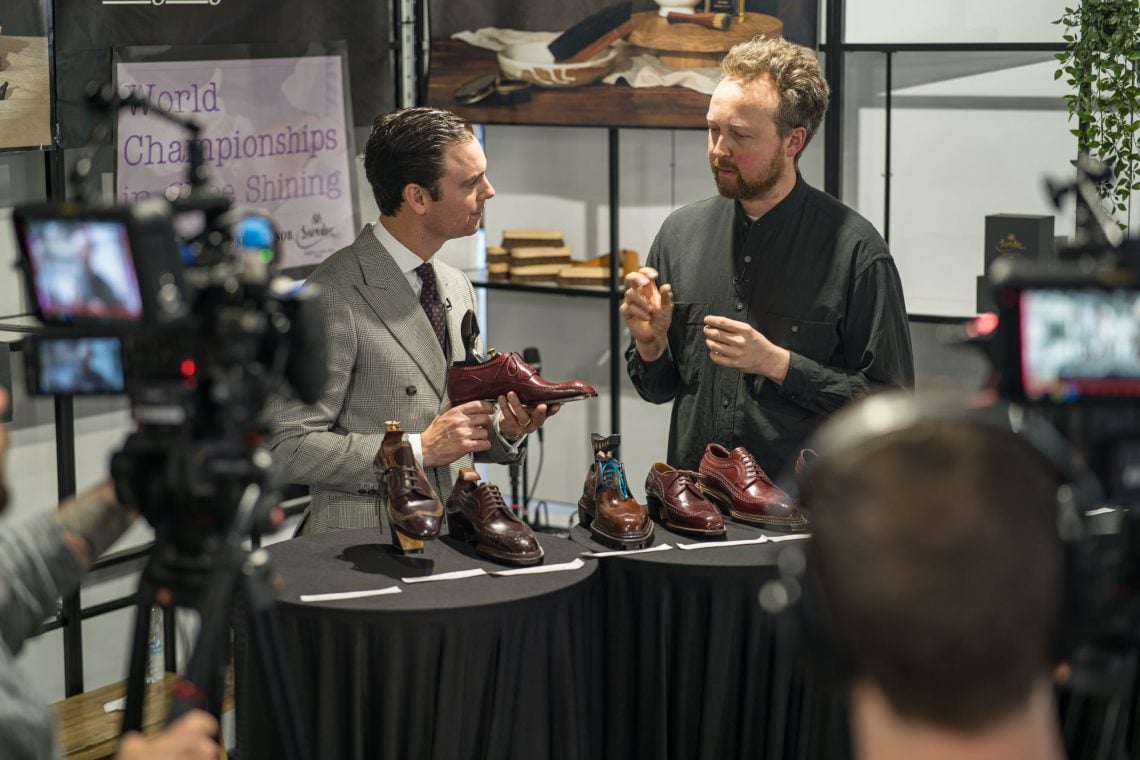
(479, 279)
(454, 63)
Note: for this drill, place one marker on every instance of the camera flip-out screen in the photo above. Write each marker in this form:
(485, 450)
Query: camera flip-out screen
(82, 270)
(75, 365)
(1081, 342)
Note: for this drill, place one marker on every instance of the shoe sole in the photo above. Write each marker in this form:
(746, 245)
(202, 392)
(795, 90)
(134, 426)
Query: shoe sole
(529, 402)
(724, 502)
(510, 559)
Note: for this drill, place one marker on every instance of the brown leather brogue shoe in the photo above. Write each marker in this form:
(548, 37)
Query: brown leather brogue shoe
(607, 508)
(735, 481)
(414, 511)
(500, 373)
(476, 512)
(674, 497)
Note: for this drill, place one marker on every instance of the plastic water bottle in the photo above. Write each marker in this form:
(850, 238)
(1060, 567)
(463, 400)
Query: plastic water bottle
(155, 666)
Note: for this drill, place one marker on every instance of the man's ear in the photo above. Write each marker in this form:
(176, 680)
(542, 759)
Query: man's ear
(416, 197)
(796, 142)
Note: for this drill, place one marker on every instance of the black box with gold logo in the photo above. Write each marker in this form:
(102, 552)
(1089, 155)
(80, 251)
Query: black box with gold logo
(1024, 235)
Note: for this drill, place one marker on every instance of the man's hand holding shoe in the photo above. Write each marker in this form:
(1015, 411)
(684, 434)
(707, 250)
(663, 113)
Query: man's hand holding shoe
(517, 419)
(458, 430)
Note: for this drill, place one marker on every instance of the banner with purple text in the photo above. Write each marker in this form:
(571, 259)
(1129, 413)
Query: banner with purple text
(273, 137)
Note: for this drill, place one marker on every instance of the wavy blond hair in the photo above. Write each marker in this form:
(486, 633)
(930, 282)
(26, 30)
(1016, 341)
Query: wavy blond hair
(796, 73)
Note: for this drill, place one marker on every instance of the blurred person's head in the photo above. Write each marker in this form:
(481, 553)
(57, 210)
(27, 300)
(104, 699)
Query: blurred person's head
(937, 557)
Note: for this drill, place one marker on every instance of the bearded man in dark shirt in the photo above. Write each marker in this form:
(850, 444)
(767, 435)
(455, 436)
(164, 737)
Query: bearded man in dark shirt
(764, 310)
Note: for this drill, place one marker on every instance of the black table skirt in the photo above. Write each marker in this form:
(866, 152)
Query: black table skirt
(476, 668)
(700, 669)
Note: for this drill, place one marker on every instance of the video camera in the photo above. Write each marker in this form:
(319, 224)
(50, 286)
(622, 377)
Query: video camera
(1066, 342)
(1067, 339)
(198, 329)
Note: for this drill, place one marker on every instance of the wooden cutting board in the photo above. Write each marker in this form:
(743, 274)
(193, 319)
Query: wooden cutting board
(687, 46)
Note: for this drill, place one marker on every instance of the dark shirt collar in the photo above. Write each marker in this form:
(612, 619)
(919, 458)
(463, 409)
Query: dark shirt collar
(778, 213)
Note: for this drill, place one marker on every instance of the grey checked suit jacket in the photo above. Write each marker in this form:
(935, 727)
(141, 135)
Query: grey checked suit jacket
(385, 363)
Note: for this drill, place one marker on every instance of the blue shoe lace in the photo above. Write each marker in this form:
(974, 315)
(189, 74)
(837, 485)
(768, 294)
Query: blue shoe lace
(613, 475)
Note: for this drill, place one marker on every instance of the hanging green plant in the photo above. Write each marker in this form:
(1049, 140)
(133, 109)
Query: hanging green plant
(1101, 61)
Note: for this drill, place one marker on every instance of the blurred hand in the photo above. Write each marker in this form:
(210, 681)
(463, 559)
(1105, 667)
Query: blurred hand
(648, 312)
(458, 430)
(517, 420)
(191, 737)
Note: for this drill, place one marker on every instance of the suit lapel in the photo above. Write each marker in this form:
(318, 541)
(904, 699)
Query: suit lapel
(388, 293)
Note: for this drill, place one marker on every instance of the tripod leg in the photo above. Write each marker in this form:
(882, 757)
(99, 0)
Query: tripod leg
(136, 673)
(261, 601)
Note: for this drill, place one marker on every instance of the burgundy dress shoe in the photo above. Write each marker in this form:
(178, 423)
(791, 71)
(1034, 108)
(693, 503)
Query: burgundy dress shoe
(735, 481)
(476, 512)
(676, 500)
(414, 511)
(486, 381)
(613, 516)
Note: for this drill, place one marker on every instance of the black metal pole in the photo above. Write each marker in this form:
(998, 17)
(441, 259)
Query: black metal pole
(615, 284)
(72, 606)
(834, 70)
(887, 151)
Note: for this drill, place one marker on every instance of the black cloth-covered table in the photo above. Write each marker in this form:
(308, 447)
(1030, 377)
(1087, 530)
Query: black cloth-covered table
(696, 669)
(481, 667)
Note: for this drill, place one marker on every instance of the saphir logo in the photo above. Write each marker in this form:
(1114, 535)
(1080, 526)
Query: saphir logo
(1010, 245)
(307, 235)
(161, 2)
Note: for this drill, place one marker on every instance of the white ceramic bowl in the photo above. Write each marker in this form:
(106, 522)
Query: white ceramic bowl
(533, 62)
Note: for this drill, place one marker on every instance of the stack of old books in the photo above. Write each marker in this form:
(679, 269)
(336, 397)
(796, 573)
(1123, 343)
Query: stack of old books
(498, 263)
(534, 255)
(595, 272)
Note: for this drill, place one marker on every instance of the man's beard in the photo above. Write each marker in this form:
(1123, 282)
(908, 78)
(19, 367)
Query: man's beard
(740, 189)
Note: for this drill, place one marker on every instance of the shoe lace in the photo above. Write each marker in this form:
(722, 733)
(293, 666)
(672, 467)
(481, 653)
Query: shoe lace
(613, 475)
(752, 468)
(409, 476)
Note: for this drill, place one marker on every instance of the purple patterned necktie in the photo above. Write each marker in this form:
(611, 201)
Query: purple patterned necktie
(433, 307)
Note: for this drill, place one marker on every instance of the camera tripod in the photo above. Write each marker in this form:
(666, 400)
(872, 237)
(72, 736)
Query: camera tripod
(211, 581)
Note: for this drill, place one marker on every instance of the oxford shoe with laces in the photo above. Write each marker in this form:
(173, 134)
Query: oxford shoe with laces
(413, 510)
(477, 513)
(678, 503)
(607, 508)
(736, 482)
(501, 373)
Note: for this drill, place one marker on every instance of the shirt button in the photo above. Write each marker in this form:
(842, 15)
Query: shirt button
(724, 402)
(795, 328)
(410, 390)
(739, 306)
(747, 259)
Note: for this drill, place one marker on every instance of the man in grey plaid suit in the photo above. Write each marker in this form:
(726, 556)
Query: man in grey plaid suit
(386, 359)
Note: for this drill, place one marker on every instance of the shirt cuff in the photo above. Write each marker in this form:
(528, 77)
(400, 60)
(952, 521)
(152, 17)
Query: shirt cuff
(798, 385)
(417, 445)
(512, 446)
(658, 365)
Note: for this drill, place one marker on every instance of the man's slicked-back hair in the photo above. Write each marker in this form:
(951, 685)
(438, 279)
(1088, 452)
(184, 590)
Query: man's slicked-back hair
(408, 146)
(795, 71)
(937, 553)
